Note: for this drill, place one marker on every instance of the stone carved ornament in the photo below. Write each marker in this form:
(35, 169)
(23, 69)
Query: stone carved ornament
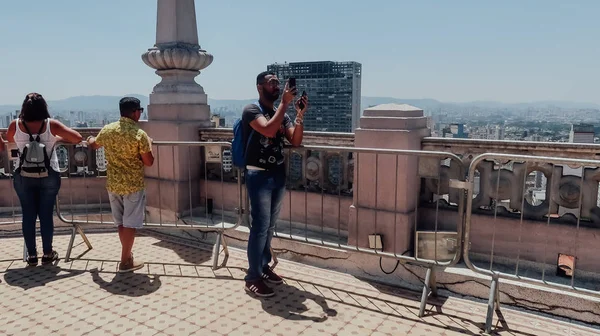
(508, 184)
(331, 173)
(177, 56)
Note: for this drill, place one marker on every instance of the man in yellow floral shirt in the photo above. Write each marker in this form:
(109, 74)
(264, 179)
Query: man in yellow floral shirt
(127, 149)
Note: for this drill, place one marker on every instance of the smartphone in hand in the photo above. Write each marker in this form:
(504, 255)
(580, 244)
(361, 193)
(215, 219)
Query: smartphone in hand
(301, 104)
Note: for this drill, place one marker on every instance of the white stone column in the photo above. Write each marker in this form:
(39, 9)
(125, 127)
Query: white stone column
(178, 108)
(177, 56)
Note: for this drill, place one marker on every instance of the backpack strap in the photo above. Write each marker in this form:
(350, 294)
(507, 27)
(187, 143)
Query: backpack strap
(37, 138)
(42, 127)
(46, 155)
(257, 103)
(252, 131)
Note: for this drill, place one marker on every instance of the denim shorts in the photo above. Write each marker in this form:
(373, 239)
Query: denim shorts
(128, 210)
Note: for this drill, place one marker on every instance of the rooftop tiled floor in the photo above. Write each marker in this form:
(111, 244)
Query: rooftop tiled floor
(172, 296)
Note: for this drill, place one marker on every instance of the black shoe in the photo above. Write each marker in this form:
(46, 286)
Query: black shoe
(270, 276)
(258, 288)
(49, 259)
(32, 261)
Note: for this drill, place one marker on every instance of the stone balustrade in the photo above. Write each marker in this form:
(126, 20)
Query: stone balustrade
(536, 189)
(469, 148)
(316, 171)
(543, 194)
(533, 210)
(310, 138)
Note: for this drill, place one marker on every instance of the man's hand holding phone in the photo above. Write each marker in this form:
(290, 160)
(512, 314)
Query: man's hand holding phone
(289, 92)
(302, 104)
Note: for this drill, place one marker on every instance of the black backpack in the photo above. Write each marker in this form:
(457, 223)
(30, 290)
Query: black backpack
(34, 158)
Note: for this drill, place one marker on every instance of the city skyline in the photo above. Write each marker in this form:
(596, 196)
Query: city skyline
(454, 52)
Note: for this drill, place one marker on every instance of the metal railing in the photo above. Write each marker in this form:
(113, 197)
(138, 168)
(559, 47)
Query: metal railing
(504, 256)
(332, 193)
(168, 207)
(10, 214)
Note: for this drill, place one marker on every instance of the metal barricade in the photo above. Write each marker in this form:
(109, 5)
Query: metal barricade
(522, 209)
(176, 189)
(10, 210)
(324, 181)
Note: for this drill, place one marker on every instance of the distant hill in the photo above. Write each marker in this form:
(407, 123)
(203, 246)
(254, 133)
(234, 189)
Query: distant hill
(233, 107)
(426, 104)
(82, 103)
(535, 104)
(86, 103)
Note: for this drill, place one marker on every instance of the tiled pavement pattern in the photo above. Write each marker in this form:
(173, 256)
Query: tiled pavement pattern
(171, 296)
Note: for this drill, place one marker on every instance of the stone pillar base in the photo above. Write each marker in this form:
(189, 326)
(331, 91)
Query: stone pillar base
(173, 183)
(386, 186)
(396, 229)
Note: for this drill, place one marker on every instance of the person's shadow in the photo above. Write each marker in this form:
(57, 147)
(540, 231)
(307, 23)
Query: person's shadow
(31, 277)
(288, 303)
(129, 284)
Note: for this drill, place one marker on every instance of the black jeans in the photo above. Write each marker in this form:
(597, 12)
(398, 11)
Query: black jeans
(37, 197)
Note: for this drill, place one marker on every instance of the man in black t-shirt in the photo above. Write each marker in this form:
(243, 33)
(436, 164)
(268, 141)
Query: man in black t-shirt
(264, 130)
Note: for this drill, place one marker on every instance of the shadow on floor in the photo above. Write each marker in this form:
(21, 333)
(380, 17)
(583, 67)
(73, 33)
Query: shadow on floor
(128, 284)
(289, 304)
(31, 277)
(407, 311)
(188, 254)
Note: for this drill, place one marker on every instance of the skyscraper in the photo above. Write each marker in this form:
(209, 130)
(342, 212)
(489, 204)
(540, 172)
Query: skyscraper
(582, 133)
(334, 90)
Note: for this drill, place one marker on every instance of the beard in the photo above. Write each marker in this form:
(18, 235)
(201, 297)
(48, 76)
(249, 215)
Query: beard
(271, 96)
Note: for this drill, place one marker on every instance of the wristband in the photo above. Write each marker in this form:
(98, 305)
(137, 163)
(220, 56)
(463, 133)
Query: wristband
(299, 121)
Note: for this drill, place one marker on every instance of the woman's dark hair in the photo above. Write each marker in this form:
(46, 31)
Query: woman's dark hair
(34, 108)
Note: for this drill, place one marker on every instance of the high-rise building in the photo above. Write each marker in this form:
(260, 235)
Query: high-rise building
(455, 131)
(334, 90)
(217, 120)
(7, 119)
(498, 133)
(582, 133)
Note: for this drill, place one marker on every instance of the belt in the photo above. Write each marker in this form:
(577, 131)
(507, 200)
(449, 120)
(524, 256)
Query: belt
(254, 168)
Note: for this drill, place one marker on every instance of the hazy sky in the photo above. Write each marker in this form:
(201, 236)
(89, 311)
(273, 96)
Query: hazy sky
(510, 50)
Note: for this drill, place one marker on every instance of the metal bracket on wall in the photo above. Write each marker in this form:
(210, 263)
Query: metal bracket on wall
(457, 184)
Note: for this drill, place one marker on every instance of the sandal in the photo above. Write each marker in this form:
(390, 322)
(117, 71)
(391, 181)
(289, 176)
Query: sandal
(49, 259)
(32, 261)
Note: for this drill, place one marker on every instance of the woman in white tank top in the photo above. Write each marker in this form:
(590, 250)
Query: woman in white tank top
(38, 195)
